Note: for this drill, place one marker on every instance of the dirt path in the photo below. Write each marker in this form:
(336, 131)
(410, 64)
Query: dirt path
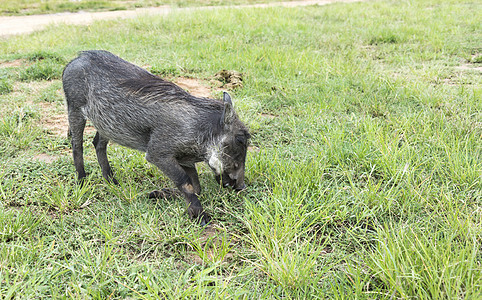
(26, 24)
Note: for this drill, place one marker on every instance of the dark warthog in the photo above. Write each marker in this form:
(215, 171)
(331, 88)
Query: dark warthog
(134, 108)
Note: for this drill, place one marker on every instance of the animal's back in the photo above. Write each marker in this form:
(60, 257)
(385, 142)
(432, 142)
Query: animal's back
(98, 71)
(93, 85)
(126, 104)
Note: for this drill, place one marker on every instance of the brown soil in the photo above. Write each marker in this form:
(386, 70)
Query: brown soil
(268, 116)
(13, 63)
(193, 86)
(223, 80)
(45, 158)
(57, 123)
(253, 149)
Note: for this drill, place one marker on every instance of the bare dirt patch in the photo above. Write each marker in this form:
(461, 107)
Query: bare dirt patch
(268, 116)
(45, 158)
(30, 90)
(193, 86)
(252, 148)
(57, 123)
(12, 63)
(223, 80)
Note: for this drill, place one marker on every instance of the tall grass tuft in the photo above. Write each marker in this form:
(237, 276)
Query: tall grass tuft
(424, 263)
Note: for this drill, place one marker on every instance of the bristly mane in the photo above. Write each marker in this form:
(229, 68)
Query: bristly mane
(146, 86)
(153, 89)
(149, 84)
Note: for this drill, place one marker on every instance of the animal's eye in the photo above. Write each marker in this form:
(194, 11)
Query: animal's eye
(241, 139)
(236, 165)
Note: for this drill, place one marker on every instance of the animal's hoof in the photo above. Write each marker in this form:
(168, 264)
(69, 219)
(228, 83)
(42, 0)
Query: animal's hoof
(199, 216)
(113, 181)
(81, 181)
(204, 219)
(155, 194)
(240, 188)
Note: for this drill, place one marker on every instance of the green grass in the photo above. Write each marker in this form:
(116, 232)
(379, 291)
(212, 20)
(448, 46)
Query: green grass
(364, 181)
(5, 86)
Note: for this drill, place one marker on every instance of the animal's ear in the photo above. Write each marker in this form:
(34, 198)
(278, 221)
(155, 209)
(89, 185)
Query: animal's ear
(228, 113)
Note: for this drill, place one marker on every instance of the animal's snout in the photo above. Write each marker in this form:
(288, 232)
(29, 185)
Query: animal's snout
(233, 181)
(237, 183)
(240, 187)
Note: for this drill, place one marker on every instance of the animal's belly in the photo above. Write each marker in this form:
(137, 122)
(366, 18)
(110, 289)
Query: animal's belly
(121, 128)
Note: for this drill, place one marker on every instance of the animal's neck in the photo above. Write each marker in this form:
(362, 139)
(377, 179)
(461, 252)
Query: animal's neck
(214, 154)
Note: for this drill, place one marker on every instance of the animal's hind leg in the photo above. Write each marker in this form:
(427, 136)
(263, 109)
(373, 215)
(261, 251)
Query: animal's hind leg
(100, 144)
(76, 129)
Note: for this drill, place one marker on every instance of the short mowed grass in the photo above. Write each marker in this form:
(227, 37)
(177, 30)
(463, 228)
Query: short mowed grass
(364, 172)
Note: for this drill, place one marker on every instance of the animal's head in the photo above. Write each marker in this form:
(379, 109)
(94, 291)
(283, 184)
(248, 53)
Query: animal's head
(228, 160)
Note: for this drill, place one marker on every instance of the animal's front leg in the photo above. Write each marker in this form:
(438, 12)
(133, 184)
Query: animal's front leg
(170, 166)
(192, 173)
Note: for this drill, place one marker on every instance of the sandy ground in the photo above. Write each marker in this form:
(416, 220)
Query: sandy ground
(12, 25)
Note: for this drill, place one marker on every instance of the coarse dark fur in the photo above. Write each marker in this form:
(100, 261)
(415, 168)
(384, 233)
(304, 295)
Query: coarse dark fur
(136, 109)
